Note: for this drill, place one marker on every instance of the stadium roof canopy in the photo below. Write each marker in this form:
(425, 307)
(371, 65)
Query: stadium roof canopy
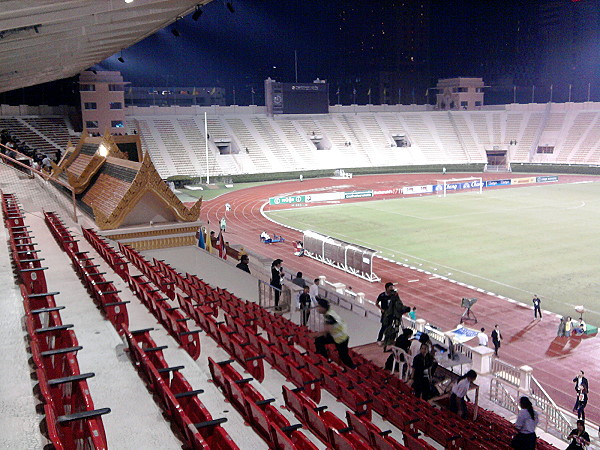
(46, 40)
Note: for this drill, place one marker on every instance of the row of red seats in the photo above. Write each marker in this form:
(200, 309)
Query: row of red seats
(203, 309)
(279, 352)
(333, 431)
(108, 253)
(104, 292)
(175, 395)
(266, 420)
(358, 392)
(71, 420)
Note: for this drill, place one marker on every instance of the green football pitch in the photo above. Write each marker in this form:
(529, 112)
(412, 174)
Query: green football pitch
(514, 242)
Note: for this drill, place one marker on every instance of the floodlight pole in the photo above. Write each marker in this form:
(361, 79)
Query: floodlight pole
(206, 146)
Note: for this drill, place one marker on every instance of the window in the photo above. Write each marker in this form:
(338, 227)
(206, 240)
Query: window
(87, 87)
(116, 87)
(89, 105)
(116, 105)
(477, 103)
(464, 104)
(545, 149)
(91, 124)
(116, 124)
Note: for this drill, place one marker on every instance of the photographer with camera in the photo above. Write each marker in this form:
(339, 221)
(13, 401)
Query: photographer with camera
(392, 319)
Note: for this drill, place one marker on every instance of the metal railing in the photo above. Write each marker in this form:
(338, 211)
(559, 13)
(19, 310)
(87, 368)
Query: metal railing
(555, 418)
(266, 297)
(501, 396)
(46, 177)
(506, 372)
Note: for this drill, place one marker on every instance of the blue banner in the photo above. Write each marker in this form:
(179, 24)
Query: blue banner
(497, 182)
(546, 179)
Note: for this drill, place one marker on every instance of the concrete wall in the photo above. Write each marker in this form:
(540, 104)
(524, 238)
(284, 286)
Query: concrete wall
(210, 268)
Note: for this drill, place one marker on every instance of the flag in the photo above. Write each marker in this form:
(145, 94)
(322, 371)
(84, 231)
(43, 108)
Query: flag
(221, 246)
(427, 92)
(354, 91)
(194, 91)
(208, 241)
(213, 90)
(201, 243)
(252, 90)
(384, 92)
(338, 91)
(369, 91)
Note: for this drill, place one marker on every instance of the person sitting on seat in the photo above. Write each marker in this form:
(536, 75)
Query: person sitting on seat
(579, 329)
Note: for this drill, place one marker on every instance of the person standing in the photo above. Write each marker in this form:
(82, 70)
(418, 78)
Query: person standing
(421, 365)
(568, 326)
(581, 403)
(561, 328)
(527, 420)
(314, 290)
(243, 264)
(496, 339)
(305, 304)
(223, 224)
(276, 280)
(459, 392)
(383, 302)
(536, 307)
(581, 382)
(482, 337)
(580, 438)
(335, 332)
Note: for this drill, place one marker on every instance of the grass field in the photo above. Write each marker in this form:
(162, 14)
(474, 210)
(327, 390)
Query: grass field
(514, 242)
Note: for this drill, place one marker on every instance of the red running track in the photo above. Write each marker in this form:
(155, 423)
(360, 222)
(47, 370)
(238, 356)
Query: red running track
(555, 360)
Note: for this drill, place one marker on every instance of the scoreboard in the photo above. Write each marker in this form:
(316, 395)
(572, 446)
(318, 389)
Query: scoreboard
(296, 98)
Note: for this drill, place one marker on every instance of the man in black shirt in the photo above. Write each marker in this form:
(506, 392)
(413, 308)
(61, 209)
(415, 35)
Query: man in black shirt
(243, 264)
(383, 302)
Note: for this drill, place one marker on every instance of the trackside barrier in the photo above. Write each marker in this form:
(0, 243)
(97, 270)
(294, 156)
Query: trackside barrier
(71, 422)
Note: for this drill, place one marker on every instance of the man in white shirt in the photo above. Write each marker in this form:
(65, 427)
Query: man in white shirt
(313, 291)
(483, 338)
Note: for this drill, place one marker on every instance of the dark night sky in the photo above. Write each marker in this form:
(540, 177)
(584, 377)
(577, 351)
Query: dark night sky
(500, 40)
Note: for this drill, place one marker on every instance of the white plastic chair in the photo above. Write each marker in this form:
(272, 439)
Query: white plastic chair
(400, 354)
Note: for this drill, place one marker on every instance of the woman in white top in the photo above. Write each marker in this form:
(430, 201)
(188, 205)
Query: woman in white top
(459, 392)
(527, 420)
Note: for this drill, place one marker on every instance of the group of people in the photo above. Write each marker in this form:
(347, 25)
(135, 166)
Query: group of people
(568, 327)
(11, 146)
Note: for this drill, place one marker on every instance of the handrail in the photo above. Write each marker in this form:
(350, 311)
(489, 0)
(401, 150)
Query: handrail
(506, 372)
(501, 396)
(554, 415)
(44, 175)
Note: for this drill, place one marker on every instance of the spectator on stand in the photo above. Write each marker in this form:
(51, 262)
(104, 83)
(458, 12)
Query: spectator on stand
(276, 280)
(243, 264)
(335, 332)
(299, 281)
(459, 392)
(382, 302)
(580, 438)
(527, 420)
(305, 305)
(413, 313)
